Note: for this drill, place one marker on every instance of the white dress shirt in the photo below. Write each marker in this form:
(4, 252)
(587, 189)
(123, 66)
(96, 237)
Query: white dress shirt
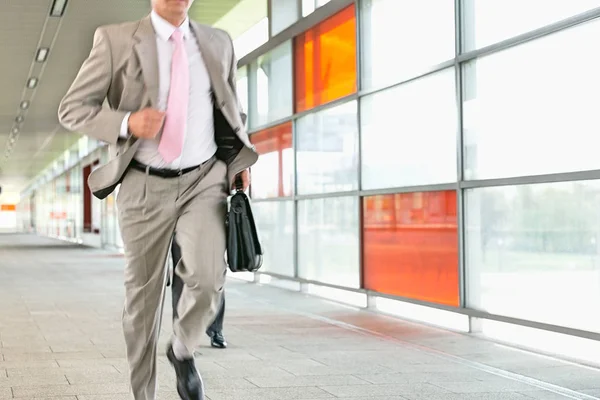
(199, 139)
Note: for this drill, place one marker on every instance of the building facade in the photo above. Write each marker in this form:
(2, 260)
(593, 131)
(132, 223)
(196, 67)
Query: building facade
(462, 183)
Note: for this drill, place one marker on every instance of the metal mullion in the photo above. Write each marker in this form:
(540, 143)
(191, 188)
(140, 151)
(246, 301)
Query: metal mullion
(460, 200)
(327, 195)
(272, 199)
(270, 18)
(359, 84)
(295, 191)
(436, 187)
(533, 179)
(531, 35)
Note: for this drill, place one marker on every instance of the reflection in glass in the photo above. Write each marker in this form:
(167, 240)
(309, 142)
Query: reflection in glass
(422, 32)
(271, 75)
(275, 223)
(411, 246)
(273, 173)
(533, 252)
(328, 241)
(327, 150)
(529, 112)
(409, 133)
(489, 21)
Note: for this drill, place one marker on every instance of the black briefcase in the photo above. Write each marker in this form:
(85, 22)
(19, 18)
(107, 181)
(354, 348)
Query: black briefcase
(244, 251)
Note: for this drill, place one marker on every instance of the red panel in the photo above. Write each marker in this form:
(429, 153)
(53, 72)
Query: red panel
(325, 61)
(411, 246)
(87, 200)
(272, 175)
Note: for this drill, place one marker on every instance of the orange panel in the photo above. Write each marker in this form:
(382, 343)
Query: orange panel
(274, 140)
(325, 60)
(411, 246)
(8, 207)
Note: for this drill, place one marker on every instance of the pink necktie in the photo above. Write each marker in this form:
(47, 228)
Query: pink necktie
(171, 142)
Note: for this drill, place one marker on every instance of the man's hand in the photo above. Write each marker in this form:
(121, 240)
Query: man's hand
(146, 123)
(245, 177)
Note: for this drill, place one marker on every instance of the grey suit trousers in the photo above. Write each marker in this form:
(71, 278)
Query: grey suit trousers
(177, 289)
(151, 209)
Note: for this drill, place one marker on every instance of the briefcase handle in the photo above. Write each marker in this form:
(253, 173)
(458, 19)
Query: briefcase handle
(239, 184)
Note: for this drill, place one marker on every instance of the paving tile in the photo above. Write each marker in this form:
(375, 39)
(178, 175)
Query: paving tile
(385, 390)
(267, 382)
(62, 341)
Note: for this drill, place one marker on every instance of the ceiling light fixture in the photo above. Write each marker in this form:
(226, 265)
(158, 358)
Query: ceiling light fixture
(42, 54)
(58, 8)
(19, 119)
(32, 83)
(15, 131)
(25, 104)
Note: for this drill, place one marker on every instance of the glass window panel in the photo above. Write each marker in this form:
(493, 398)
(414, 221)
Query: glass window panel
(533, 252)
(283, 14)
(326, 61)
(327, 150)
(411, 246)
(529, 112)
(242, 87)
(328, 240)
(252, 39)
(271, 75)
(309, 6)
(273, 173)
(409, 133)
(423, 33)
(275, 224)
(490, 21)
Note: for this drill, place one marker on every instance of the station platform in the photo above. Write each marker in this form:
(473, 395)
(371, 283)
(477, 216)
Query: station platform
(60, 334)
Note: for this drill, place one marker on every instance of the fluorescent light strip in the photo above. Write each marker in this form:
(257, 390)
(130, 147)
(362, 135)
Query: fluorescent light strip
(32, 83)
(58, 8)
(42, 54)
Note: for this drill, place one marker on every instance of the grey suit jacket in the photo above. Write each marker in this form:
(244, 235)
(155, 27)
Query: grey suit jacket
(122, 69)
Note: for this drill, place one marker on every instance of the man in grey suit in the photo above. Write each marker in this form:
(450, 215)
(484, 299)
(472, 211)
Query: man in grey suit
(177, 143)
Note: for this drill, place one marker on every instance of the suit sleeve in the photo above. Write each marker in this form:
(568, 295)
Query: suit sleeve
(82, 108)
(233, 80)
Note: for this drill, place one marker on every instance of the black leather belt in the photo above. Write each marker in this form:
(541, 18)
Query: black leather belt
(163, 173)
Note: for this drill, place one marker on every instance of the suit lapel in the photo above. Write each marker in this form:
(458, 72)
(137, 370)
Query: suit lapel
(145, 48)
(213, 66)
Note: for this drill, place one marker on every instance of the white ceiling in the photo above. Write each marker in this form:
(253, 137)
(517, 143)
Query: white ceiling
(25, 26)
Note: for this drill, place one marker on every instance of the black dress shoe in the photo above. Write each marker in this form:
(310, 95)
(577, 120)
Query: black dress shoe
(217, 340)
(189, 382)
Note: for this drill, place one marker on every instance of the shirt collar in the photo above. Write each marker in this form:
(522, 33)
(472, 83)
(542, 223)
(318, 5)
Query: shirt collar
(164, 29)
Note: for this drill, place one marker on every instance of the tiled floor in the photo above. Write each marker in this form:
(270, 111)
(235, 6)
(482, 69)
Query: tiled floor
(60, 333)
